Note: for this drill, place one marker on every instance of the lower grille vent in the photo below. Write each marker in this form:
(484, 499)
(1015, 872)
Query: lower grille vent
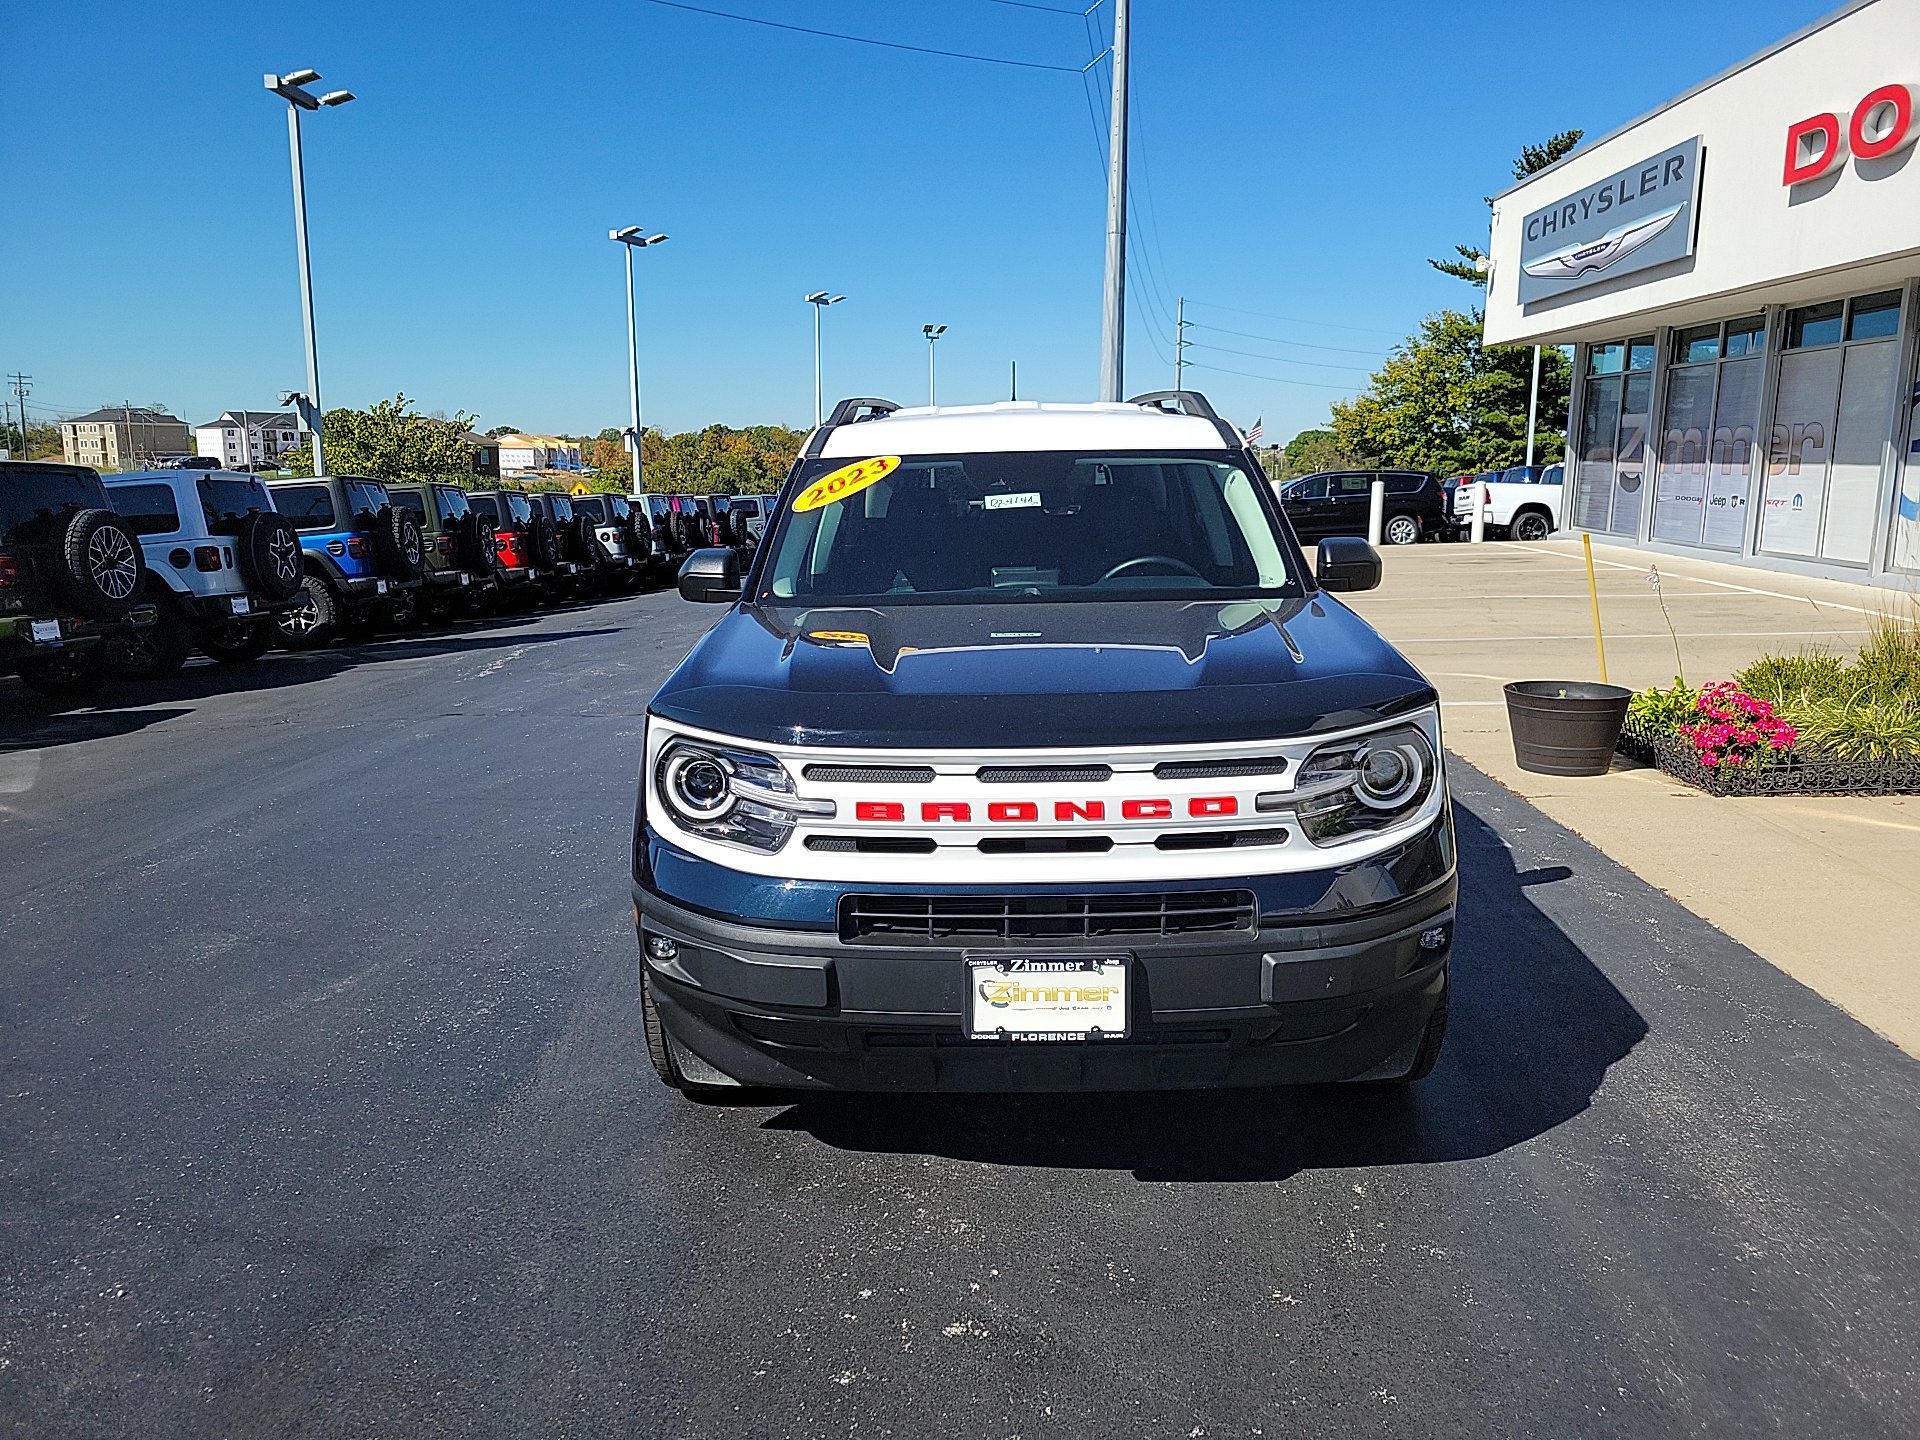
(1219, 769)
(874, 844)
(870, 774)
(1042, 774)
(943, 919)
(1222, 839)
(1048, 845)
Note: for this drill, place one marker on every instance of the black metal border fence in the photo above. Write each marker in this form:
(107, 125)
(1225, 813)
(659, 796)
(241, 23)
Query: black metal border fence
(1785, 773)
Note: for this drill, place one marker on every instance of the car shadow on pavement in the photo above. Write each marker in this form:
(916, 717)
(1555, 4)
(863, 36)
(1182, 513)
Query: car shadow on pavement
(1534, 1028)
(30, 721)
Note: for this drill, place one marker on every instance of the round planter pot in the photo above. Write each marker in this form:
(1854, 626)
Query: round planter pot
(1565, 727)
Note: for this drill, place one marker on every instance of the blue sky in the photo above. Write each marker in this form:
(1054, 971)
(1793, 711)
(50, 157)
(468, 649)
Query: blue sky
(1295, 164)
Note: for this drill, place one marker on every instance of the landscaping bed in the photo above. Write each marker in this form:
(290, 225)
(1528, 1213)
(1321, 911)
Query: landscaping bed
(1807, 724)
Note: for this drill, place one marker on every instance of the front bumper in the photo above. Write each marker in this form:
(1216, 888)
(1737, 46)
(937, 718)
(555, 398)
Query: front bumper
(1302, 999)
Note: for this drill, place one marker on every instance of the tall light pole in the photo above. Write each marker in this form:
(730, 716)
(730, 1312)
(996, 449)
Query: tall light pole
(634, 238)
(933, 333)
(1113, 317)
(292, 89)
(819, 299)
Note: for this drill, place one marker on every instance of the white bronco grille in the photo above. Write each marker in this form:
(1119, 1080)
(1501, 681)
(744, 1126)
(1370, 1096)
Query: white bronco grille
(1039, 817)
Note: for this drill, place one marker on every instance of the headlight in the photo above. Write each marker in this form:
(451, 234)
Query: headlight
(738, 796)
(1368, 783)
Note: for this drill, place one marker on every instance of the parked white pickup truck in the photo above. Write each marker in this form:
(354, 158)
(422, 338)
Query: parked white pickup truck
(1523, 501)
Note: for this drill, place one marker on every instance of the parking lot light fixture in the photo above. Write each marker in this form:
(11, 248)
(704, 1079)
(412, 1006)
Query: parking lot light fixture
(819, 299)
(933, 333)
(292, 89)
(633, 237)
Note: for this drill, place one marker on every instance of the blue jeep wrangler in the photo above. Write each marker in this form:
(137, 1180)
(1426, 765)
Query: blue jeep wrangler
(357, 548)
(1030, 754)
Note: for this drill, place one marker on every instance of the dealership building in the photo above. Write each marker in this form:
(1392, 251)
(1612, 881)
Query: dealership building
(1738, 273)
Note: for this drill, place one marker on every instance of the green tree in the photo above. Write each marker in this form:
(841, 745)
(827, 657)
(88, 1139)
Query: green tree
(497, 431)
(1311, 451)
(392, 441)
(1532, 158)
(1443, 401)
(719, 459)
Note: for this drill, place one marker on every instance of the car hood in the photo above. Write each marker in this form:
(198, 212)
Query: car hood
(1040, 675)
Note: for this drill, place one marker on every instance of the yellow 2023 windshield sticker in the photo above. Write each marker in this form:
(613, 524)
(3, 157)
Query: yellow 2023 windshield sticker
(848, 480)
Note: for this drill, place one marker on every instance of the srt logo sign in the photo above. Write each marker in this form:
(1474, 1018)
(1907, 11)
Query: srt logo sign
(1882, 124)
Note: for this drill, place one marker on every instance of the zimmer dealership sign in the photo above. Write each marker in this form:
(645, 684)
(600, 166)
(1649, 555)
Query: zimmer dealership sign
(1631, 221)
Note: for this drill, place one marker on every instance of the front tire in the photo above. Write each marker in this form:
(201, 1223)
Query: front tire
(314, 619)
(1402, 530)
(64, 675)
(153, 652)
(237, 644)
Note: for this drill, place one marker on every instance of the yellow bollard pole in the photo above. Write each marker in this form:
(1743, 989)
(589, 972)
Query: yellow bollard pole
(1593, 593)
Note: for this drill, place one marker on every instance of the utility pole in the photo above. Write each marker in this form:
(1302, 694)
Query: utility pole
(1179, 339)
(1113, 315)
(1533, 403)
(21, 385)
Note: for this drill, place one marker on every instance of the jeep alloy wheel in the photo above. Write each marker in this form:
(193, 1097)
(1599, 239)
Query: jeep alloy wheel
(112, 562)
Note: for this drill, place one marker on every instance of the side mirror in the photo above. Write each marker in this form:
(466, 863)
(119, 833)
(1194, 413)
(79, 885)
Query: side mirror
(713, 576)
(1346, 563)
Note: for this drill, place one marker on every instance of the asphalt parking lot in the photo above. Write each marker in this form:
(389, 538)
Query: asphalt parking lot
(323, 1111)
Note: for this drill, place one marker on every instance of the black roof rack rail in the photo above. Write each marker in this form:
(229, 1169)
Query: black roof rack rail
(1178, 402)
(849, 412)
(863, 407)
(1190, 402)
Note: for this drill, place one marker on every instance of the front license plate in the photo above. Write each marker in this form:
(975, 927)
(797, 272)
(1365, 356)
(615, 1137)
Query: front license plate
(241, 605)
(45, 632)
(1046, 997)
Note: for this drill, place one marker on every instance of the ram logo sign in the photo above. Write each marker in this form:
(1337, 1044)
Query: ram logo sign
(1632, 221)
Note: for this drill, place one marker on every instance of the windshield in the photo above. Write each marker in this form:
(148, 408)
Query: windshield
(1056, 525)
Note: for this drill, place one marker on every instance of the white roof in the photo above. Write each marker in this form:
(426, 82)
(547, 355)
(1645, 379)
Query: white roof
(1022, 425)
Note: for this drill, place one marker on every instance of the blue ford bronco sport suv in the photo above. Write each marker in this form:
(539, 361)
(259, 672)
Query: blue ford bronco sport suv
(1031, 755)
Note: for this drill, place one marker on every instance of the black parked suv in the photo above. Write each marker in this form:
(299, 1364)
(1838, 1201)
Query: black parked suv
(357, 548)
(570, 557)
(1336, 502)
(71, 575)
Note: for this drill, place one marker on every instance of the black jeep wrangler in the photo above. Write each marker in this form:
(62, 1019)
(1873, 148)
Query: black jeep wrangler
(71, 575)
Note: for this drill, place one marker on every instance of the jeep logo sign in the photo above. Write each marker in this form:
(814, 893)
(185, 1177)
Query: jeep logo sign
(1632, 221)
(1881, 125)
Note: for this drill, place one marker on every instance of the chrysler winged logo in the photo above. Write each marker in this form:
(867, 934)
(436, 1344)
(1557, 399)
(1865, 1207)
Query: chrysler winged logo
(1593, 255)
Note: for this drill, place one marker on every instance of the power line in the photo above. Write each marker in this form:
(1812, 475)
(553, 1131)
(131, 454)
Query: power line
(1297, 320)
(1271, 379)
(1278, 359)
(1050, 9)
(865, 39)
(1276, 340)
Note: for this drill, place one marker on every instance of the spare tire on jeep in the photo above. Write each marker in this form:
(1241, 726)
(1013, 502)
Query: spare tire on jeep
(542, 543)
(398, 543)
(737, 530)
(268, 548)
(473, 543)
(102, 569)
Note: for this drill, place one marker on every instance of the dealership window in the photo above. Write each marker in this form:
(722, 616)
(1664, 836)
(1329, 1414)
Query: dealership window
(1613, 435)
(1705, 462)
(1830, 429)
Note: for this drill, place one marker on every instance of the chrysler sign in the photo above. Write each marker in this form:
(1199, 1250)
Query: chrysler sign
(1629, 222)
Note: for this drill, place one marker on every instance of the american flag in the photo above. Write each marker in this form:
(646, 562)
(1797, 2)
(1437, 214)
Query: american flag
(1253, 435)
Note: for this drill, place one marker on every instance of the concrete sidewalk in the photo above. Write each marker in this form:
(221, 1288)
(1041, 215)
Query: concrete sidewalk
(1827, 888)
